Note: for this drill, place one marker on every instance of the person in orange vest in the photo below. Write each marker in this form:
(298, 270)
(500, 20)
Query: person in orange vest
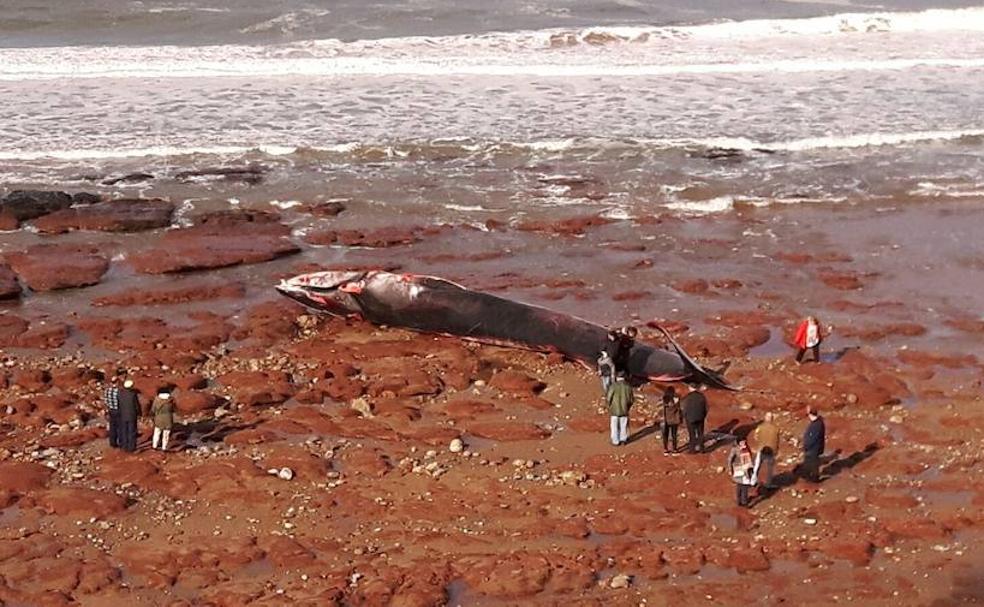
(808, 337)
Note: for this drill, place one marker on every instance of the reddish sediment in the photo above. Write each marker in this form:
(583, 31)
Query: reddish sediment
(537, 508)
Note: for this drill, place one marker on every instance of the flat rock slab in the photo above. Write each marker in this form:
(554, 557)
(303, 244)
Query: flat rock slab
(48, 267)
(128, 215)
(28, 204)
(9, 287)
(217, 242)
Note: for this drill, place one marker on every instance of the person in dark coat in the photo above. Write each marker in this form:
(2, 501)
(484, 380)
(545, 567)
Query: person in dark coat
(111, 398)
(694, 408)
(129, 412)
(814, 443)
(619, 347)
(671, 419)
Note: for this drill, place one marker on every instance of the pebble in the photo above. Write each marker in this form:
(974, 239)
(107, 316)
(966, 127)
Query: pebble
(851, 499)
(456, 446)
(810, 521)
(285, 473)
(620, 581)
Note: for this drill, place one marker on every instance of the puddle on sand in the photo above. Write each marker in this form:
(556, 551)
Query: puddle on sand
(723, 521)
(456, 591)
(776, 347)
(9, 516)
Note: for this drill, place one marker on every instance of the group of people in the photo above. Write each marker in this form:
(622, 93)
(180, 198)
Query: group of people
(743, 466)
(123, 410)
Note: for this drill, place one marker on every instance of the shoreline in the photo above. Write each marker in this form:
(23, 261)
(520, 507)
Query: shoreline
(372, 518)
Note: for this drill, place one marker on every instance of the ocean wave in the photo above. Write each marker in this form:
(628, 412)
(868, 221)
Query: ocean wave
(444, 149)
(779, 45)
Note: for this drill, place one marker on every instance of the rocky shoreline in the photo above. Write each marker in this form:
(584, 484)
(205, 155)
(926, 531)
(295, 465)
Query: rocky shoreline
(534, 507)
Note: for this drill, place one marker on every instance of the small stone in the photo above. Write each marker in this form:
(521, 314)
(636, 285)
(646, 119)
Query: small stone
(285, 473)
(362, 406)
(479, 383)
(810, 521)
(896, 419)
(746, 406)
(852, 399)
(851, 499)
(456, 446)
(620, 581)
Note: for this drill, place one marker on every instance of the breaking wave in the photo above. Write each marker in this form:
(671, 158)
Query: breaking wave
(731, 47)
(444, 149)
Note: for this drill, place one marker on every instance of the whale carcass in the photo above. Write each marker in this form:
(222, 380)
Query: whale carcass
(435, 305)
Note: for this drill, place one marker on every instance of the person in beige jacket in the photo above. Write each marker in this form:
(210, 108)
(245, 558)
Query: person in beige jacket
(162, 410)
(766, 441)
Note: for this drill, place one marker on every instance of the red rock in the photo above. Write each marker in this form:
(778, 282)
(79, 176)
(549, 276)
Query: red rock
(468, 409)
(32, 380)
(203, 292)
(191, 381)
(73, 378)
(697, 286)
(47, 267)
(515, 576)
(380, 238)
(24, 477)
(190, 401)
(331, 208)
(344, 389)
(287, 553)
(8, 223)
(270, 321)
(253, 388)
(11, 327)
(216, 242)
(365, 461)
(748, 559)
(516, 382)
(28, 204)
(43, 335)
(507, 431)
(9, 287)
(566, 227)
(127, 215)
(81, 502)
(858, 552)
(630, 295)
(73, 439)
(844, 281)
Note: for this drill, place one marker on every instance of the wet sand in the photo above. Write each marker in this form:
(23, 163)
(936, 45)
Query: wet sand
(539, 509)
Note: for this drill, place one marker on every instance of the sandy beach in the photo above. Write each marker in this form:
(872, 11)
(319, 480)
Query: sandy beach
(538, 509)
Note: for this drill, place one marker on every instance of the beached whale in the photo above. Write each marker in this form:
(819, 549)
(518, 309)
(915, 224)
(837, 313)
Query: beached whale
(435, 305)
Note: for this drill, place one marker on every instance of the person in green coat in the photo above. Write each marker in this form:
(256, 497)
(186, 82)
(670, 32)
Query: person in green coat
(162, 411)
(619, 400)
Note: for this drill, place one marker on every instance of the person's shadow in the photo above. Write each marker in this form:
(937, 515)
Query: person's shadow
(643, 432)
(835, 466)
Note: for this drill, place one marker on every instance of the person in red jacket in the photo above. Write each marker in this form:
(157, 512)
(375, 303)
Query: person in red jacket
(808, 336)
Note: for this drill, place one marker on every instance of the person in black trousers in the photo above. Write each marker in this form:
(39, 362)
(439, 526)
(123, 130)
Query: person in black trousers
(814, 443)
(111, 398)
(671, 420)
(694, 406)
(129, 412)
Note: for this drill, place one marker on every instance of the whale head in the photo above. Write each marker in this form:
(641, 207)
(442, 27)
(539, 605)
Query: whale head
(331, 292)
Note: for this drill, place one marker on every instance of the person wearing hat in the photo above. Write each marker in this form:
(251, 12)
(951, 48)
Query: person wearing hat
(111, 398)
(129, 406)
(162, 410)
